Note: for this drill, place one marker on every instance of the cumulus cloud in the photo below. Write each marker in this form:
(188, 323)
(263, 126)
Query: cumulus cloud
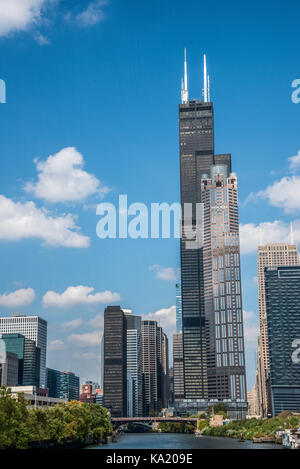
(73, 324)
(79, 295)
(252, 234)
(19, 15)
(22, 297)
(57, 345)
(165, 273)
(97, 321)
(89, 339)
(93, 14)
(294, 162)
(24, 221)
(61, 178)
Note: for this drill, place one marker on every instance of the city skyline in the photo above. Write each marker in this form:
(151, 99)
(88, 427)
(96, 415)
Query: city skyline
(37, 277)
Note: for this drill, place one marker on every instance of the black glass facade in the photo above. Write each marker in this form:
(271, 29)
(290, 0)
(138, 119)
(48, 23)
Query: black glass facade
(115, 362)
(282, 288)
(53, 382)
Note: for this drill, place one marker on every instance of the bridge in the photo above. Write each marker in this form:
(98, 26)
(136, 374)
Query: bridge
(118, 421)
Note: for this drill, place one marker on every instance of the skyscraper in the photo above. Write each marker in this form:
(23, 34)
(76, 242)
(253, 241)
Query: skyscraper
(222, 287)
(31, 327)
(9, 365)
(115, 361)
(134, 365)
(270, 255)
(282, 297)
(207, 374)
(28, 358)
(150, 366)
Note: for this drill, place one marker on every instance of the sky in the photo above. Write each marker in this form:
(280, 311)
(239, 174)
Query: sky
(91, 112)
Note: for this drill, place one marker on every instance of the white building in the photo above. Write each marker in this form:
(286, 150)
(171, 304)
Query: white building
(32, 327)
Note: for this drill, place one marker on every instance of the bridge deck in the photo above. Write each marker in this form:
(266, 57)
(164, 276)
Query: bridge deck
(154, 419)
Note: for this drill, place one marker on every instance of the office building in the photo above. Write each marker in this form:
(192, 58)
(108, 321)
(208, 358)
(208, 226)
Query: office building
(162, 369)
(178, 308)
(53, 382)
(31, 327)
(9, 365)
(36, 397)
(212, 324)
(134, 365)
(270, 255)
(282, 296)
(222, 287)
(69, 386)
(28, 358)
(115, 361)
(178, 377)
(150, 366)
(252, 399)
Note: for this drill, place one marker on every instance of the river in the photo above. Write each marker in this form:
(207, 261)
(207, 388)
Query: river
(179, 441)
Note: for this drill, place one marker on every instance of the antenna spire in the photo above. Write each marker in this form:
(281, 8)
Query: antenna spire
(184, 85)
(205, 90)
(208, 88)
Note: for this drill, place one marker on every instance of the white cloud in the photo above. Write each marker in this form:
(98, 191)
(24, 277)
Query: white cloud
(19, 15)
(73, 324)
(165, 273)
(97, 321)
(41, 39)
(284, 194)
(93, 14)
(166, 318)
(57, 345)
(22, 297)
(89, 339)
(61, 178)
(24, 221)
(294, 161)
(268, 232)
(79, 295)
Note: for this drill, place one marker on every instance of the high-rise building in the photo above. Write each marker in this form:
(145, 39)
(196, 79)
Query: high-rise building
(28, 358)
(282, 299)
(178, 308)
(212, 325)
(270, 255)
(134, 365)
(69, 386)
(53, 382)
(115, 361)
(178, 377)
(225, 354)
(9, 365)
(150, 366)
(31, 327)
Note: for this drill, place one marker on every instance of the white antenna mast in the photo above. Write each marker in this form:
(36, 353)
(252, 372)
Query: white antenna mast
(205, 90)
(184, 85)
(208, 89)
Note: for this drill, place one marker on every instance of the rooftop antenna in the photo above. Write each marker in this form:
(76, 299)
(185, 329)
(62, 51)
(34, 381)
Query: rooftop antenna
(208, 89)
(205, 90)
(292, 233)
(184, 86)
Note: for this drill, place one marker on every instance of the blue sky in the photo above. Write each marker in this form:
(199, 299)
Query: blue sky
(98, 84)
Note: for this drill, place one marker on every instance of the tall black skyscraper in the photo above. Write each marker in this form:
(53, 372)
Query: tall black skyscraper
(197, 157)
(115, 361)
(282, 288)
